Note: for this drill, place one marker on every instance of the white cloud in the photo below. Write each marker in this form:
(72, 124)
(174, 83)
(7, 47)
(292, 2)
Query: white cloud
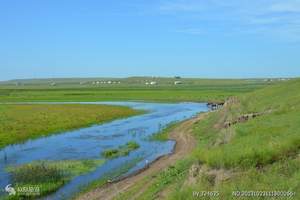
(275, 18)
(286, 6)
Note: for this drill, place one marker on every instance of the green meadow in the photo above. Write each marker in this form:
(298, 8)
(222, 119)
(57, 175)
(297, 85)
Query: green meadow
(257, 154)
(28, 121)
(22, 122)
(135, 89)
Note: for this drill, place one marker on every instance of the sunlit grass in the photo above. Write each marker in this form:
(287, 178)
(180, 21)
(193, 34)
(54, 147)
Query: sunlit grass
(261, 154)
(22, 122)
(260, 141)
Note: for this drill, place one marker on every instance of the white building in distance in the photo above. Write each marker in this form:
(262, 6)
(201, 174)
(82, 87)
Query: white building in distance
(177, 82)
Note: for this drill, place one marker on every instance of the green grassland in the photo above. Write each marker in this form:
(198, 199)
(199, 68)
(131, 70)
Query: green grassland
(22, 122)
(49, 176)
(261, 153)
(258, 154)
(198, 90)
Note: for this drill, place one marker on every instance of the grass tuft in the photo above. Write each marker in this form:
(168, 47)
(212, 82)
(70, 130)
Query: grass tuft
(123, 150)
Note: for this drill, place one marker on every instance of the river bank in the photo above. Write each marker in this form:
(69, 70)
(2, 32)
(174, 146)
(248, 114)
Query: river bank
(185, 143)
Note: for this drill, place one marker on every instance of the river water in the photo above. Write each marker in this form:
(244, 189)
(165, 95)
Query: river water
(88, 143)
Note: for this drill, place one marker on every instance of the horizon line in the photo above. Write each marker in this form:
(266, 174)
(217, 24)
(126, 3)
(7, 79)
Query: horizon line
(150, 76)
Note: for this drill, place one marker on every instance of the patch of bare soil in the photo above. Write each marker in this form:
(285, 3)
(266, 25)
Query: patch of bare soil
(213, 176)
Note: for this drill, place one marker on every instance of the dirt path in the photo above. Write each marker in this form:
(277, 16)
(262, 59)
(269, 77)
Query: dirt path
(184, 145)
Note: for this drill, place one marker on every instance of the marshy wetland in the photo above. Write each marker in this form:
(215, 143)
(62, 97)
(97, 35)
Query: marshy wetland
(250, 143)
(84, 153)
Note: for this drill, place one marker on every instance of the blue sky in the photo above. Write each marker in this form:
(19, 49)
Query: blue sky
(193, 38)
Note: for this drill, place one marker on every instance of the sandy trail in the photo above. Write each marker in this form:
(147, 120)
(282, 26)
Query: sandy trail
(185, 143)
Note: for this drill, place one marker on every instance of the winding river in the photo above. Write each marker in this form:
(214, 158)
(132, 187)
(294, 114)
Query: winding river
(88, 143)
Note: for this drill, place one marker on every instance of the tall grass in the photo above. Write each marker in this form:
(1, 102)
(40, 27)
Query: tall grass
(34, 174)
(49, 176)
